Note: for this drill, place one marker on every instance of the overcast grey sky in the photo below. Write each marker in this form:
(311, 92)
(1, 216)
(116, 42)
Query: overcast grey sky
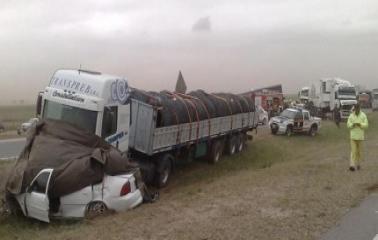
(219, 45)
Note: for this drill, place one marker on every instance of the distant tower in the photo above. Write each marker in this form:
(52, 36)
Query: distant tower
(180, 84)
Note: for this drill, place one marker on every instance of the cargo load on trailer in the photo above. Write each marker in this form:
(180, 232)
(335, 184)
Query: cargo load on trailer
(176, 108)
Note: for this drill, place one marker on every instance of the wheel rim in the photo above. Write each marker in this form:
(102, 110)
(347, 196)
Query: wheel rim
(233, 148)
(165, 177)
(241, 147)
(313, 132)
(216, 158)
(289, 132)
(97, 208)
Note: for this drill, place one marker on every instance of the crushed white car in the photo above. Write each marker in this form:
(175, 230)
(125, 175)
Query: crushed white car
(117, 193)
(295, 120)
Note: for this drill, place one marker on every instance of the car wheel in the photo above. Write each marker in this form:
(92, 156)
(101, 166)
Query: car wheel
(313, 131)
(274, 129)
(289, 131)
(215, 153)
(96, 209)
(164, 170)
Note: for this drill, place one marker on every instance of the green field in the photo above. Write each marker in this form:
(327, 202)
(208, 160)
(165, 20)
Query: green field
(279, 188)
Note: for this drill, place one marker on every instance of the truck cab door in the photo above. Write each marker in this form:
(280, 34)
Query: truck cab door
(123, 127)
(36, 198)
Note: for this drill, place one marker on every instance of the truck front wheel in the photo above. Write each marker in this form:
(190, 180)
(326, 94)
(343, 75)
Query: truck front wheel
(163, 170)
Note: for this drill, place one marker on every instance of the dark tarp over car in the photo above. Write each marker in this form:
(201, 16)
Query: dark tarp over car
(78, 158)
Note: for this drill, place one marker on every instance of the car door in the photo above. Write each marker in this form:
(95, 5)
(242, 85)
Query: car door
(307, 122)
(298, 121)
(36, 198)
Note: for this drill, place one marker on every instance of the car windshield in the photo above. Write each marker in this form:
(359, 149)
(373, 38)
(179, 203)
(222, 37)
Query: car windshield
(288, 114)
(82, 118)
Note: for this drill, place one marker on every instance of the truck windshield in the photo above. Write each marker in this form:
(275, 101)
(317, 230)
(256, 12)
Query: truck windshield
(350, 91)
(81, 118)
(288, 114)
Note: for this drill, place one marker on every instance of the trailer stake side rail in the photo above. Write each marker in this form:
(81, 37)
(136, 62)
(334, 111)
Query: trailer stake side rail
(146, 138)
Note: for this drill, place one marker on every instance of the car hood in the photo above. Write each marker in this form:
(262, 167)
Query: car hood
(280, 119)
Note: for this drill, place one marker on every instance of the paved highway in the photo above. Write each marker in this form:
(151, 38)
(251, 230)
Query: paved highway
(11, 147)
(360, 223)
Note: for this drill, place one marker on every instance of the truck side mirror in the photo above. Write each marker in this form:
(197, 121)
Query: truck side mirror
(39, 104)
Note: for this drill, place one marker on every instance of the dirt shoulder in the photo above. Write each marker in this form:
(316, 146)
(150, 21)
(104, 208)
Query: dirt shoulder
(280, 188)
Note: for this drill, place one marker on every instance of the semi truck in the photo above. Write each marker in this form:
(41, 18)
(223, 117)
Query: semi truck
(101, 104)
(304, 95)
(335, 96)
(375, 99)
(365, 99)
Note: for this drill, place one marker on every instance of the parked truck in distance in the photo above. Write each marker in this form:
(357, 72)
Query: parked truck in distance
(101, 104)
(304, 95)
(375, 99)
(334, 96)
(365, 99)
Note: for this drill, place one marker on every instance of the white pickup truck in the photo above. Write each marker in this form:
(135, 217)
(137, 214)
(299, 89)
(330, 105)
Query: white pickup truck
(294, 120)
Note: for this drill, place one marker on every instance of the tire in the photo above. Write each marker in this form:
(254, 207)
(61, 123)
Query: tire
(242, 142)
(313, 131)
(95, 209)
(13, 205)
(274, 130)
(232, 145)
(215, 152)
(163, 170)
(289, 131)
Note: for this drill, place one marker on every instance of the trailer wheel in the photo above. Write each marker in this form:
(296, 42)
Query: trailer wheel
(163, 170)
(232, 145)
(215, 153)
(242, 143)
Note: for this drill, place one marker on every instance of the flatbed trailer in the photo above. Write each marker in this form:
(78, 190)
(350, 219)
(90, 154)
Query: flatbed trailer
(207, 138)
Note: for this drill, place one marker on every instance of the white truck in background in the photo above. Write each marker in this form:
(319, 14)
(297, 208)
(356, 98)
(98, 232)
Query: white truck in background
(101, 104)
(304, 95)
(375, 99)
(335, 95)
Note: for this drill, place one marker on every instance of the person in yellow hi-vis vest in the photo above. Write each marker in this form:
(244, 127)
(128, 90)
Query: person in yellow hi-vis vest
(357, 123)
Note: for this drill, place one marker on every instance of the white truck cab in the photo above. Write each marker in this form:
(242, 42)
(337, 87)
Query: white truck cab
(92, 101)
